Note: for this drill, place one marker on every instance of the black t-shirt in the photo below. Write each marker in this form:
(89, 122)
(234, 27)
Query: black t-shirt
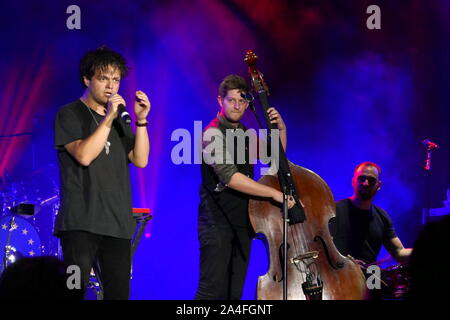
(360, 233)
(94, 198)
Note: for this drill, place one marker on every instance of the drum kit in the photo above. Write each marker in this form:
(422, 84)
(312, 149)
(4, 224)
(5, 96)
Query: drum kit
(395, 279)
(29, 207)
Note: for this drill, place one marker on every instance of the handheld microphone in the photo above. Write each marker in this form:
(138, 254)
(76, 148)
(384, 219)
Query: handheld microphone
(430, 145)
(123, 113)
(249, 98)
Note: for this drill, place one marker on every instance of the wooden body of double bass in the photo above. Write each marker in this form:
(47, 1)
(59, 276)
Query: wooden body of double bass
(342, 278)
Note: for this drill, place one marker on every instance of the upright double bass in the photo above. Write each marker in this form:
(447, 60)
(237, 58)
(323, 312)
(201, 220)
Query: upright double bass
(313, 269)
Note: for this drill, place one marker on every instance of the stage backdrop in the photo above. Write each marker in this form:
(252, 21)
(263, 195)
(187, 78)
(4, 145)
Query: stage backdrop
(347, 94)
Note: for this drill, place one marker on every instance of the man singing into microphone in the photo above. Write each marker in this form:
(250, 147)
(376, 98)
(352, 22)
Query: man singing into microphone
(94, 148)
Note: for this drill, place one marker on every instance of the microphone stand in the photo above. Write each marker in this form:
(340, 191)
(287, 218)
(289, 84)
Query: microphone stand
(427, 167)
(290, 216)
(285, 241)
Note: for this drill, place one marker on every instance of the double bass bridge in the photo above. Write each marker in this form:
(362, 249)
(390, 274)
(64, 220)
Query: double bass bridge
(305, 256)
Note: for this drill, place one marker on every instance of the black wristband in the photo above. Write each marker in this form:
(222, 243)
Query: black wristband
(141, 124)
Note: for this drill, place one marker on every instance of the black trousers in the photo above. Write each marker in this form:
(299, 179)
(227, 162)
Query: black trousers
(113, 255)
(224, 258)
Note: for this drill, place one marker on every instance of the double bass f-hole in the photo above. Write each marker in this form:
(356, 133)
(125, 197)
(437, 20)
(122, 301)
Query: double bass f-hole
(338, 264)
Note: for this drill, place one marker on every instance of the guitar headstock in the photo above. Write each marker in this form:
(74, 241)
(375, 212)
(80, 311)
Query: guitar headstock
(258, 83)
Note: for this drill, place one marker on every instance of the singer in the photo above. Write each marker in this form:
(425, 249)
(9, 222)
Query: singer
(94, 148)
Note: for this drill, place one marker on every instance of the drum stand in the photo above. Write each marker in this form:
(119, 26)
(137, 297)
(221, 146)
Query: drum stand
(22, 209)
(7, 249)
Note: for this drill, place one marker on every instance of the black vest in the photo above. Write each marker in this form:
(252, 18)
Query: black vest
(221, 205)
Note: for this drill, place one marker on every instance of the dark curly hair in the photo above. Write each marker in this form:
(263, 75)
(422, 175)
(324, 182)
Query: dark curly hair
(100, 59)
(231, 82)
